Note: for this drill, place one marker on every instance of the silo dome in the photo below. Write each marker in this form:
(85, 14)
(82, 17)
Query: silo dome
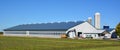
(97, 13)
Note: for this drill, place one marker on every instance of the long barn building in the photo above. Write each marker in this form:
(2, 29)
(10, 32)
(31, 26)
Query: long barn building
(80, 29)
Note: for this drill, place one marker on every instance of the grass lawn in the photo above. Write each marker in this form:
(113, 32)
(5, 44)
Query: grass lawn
(33, 43)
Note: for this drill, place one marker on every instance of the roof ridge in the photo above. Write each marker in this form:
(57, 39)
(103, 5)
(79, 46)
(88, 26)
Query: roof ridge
(52, 22)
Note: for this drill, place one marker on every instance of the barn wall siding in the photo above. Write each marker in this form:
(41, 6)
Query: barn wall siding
(14, 33)
(50, 34)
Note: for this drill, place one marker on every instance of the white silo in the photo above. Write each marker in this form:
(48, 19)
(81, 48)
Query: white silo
(97, 20)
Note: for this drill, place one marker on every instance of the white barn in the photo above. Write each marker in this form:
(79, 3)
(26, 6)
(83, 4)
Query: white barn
(80, 29)
(85, 30)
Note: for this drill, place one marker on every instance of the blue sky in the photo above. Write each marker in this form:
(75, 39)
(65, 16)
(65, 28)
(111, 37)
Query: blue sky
(16, 12)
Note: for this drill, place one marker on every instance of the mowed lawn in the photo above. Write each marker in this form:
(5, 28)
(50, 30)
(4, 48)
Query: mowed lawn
(34, 43)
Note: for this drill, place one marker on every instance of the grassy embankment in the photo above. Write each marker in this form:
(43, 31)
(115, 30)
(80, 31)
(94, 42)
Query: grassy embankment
(33, 43)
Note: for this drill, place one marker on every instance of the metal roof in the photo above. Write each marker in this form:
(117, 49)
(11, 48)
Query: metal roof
(61, 26)
(110, 29)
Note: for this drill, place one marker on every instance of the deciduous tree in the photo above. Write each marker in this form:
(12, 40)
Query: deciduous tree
(118, 29)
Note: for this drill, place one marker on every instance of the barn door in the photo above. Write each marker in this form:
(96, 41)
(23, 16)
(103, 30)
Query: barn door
(79, 34)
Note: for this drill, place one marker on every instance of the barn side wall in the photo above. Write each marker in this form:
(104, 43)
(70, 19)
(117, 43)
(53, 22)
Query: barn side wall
(47, 34)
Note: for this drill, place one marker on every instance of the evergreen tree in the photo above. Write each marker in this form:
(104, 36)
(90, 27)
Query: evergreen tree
(118, 29)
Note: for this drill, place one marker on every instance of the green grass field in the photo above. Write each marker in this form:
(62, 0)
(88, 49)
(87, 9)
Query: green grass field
(33, 43)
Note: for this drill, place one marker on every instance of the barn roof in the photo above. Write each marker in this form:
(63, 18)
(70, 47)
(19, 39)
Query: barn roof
(110, 29)
(61, 26)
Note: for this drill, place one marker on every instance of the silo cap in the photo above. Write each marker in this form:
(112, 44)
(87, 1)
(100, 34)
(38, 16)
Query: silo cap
(89, 18)
(97, 13)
